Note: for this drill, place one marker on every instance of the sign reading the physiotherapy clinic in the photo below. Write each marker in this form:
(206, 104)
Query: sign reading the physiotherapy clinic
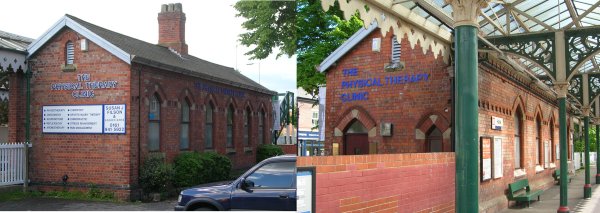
(374, 82)
(91, 119)
(84, 87)
(217, 90)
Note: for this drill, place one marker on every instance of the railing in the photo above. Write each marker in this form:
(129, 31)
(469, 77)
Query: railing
(13, 163)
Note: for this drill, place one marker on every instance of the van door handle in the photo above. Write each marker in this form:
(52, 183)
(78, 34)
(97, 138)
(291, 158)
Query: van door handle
(283, 196)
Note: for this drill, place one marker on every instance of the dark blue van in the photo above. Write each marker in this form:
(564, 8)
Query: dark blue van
(269, 185)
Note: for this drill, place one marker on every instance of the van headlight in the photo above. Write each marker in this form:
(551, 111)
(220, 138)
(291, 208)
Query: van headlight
(179, 199)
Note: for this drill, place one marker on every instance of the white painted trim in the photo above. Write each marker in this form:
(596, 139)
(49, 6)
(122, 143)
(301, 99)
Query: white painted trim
(346, 46)
(66, 21)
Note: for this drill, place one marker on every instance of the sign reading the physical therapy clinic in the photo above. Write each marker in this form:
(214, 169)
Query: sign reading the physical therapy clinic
(84, 87)
(90, 119)
(374, 82)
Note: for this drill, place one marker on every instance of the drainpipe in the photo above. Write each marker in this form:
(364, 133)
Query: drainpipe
(28, 103)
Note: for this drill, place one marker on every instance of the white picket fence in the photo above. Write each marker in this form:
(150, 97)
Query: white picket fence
(13, 163)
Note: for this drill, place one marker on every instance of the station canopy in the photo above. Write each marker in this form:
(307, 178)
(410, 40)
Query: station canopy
(515, 19)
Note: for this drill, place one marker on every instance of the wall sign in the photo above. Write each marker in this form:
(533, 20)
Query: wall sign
(374, 82)
(305, 190)
(84, 87)
(497, 123)
(486, 158)
(210, 88)
(91, 119)
(497, 153)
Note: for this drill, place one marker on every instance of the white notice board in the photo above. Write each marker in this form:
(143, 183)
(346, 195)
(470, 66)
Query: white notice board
(497, 158)
(84, 119)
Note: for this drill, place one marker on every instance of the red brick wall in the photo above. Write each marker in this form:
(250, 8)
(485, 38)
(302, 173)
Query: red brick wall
(16, 105)
(421, 182)
(101, 159)
(290, 149)
(500, 97)
(174, 88)
(407, 106)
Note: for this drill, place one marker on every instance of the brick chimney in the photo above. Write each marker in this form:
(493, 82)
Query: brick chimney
(171, 28)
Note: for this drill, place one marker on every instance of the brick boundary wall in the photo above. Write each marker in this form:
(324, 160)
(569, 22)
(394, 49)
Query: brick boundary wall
(289, 149)
(416, 182)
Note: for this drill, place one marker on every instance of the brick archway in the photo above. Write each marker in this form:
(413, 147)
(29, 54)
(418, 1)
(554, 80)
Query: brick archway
(430, 120)
(359, 114)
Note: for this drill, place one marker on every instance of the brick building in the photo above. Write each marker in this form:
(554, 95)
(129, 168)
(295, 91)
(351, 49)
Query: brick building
(124, 99)
(385, 97)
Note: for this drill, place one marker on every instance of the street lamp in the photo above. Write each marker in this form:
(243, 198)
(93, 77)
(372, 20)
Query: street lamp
(258, 70)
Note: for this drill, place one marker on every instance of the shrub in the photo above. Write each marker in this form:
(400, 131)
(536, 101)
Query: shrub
(265, 151)
(155, 174)
(221, 168)
(193, 168)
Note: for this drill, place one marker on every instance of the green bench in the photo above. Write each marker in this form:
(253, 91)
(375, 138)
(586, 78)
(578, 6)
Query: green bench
(556, 176)
(520, 191)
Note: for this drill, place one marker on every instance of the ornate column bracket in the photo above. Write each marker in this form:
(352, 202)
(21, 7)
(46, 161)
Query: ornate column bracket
(581, 45)
(466, 11)
(561, 89)
(586, 110)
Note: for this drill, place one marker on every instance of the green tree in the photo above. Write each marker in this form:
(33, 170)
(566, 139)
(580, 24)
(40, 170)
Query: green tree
(271, 24)
(319, 34)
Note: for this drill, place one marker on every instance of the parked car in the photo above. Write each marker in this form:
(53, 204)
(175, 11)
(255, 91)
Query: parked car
(269, 185)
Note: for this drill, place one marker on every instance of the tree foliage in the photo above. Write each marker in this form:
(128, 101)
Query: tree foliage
(271, 24)
(319, 34)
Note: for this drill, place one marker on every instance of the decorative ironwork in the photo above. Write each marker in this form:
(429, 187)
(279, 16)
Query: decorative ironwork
(575, 88)
(537, 48)
(581, 44)
(594, 85)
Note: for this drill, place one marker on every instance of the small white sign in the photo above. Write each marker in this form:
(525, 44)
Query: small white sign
(114, 119)
(304, 191)
(497, 123)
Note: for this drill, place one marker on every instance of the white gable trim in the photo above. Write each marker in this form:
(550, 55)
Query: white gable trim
(346, 46)
(66, 21)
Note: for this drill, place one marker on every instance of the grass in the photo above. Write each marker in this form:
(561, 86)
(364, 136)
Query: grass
(18, 194)
(93, 194)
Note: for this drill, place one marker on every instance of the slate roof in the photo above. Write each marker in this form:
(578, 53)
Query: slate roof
(14, 42)
(162, 57)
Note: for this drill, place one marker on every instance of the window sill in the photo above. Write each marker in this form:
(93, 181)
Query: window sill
(248, 149)
(519, 173)
(538, 169)
(68, 67)
(209, 150)
(552, 165)
(230, 151)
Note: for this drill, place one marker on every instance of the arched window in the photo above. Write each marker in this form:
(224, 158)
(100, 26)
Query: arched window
(230, 126)
(246, 126)
(208, 128)
(261, 130)
(154, 124)
(184, 136)
(552, 145)
(69, 53)
(538, 141)
(517, 120)
(434, 140)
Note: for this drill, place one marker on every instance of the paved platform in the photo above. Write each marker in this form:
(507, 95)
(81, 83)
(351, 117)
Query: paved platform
(550, 199)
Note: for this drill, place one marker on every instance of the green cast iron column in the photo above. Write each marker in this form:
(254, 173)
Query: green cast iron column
(597, 154)
(466, 137)
(562, 119)
(587, 188)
